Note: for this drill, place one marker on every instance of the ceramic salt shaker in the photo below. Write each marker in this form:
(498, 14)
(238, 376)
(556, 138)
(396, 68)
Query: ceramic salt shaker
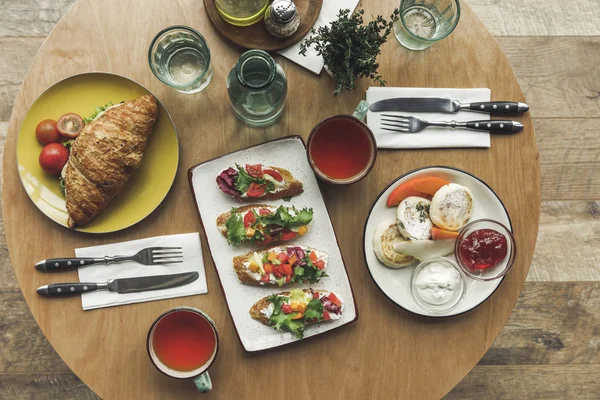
(282, 18)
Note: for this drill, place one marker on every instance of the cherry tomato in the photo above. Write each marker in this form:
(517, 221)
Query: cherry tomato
(289, 235)
(255, 190)
(53, 158)
(254, 170)
(286, 308)
(326, 316)
(249, 219)
(276, 175)
(46, 132)
(319, 264)
(70, 125)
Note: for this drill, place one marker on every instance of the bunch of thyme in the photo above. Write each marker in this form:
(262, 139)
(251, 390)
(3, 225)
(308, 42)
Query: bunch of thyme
(349, 48)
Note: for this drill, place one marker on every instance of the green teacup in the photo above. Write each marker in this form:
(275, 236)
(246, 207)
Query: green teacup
(183, 343)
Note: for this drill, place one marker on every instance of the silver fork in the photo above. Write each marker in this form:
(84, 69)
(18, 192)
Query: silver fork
(411, 124)
(148, 256)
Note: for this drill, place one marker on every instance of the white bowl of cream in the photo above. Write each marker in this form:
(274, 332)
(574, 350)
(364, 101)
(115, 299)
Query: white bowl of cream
(438, 285)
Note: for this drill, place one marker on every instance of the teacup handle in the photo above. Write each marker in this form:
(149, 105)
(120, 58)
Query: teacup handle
(361, 110)
(203, 383)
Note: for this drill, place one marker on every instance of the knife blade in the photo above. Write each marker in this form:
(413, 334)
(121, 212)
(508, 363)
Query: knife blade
(121, 285)
(446, 105)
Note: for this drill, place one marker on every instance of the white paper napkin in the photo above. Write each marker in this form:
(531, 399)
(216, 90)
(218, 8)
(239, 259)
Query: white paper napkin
(432, 137)
(329, 12)
(192, 261)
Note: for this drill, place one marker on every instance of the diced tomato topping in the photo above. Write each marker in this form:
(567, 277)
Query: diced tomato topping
(264, 211)
(276, 272)
(286, 269)
(249, 219)
(333, 298)
(326, 316)
(283, 257)
(319, 264)
(286, 308)
(276, 175)
(255, 190)
(312, 256)
(265, 278)
(268, 268)
(289, 235)
(315, 295)
(268, 239)
(255, 170)
(288, 279)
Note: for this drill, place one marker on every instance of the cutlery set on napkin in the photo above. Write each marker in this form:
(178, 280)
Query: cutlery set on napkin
(416, 109)
(154, 269)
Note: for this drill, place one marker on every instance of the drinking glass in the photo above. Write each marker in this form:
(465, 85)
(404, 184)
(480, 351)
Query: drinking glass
(257, 88)
(242, 12)
(179, 57)
(424, 22)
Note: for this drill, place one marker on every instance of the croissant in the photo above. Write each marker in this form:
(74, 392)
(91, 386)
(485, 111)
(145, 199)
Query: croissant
(105, 155)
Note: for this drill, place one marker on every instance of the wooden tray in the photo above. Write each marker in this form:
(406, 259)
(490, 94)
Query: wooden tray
(256, 36)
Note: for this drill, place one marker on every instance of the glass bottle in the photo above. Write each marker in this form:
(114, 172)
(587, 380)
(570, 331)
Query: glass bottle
(257, 87)
(242, 12)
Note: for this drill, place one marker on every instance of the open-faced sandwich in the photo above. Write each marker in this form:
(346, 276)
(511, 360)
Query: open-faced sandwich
(258, 182)
(263, 224)
(281, 265)
(430, 212)
(292, 311)
(105, 155)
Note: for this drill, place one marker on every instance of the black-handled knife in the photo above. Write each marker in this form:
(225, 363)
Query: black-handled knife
(446, 105)
(494, 126)
(123, 285)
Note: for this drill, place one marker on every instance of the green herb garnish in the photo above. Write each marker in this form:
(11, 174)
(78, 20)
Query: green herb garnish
(281, 321)
(423, 212)
(97, 111)
(349, 48)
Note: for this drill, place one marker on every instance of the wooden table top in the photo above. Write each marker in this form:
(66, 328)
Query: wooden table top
(403, 354)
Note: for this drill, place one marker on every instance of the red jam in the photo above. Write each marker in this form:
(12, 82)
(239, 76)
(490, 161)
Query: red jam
(483, 249)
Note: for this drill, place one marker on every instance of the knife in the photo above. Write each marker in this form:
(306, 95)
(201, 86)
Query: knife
(123, 285)
(445, 105)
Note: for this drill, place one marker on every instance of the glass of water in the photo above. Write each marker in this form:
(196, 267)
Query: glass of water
(424, 22)
(180, 58)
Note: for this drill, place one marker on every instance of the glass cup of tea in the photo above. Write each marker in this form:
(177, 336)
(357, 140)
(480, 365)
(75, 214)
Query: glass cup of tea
(424, 22)
(342, 149)
(183, 343)
(179, 57)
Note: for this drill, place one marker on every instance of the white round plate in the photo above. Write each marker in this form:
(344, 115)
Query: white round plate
(395, 283)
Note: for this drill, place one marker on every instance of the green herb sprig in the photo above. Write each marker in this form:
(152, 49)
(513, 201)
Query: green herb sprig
(349, 48)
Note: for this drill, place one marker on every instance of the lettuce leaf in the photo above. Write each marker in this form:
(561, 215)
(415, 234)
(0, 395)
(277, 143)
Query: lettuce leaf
(282, 217)
(236, 233)
(242, 180)
(97, 111)
(314, 310)
(284, 322)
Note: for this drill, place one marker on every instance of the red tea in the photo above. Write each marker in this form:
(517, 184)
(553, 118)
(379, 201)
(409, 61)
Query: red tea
(184, 341)
(341, 147)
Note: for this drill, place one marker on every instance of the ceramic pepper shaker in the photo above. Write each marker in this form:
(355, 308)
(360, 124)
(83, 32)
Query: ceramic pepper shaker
(282, 18)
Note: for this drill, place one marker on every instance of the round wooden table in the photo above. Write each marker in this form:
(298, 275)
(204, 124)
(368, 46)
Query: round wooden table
(388, 353)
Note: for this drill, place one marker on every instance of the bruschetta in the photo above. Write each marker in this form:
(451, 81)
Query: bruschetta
(292, 311)
(263, 224)
(281, 265)
(258, 182)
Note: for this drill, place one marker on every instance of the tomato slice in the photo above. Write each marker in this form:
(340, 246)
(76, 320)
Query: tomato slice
(255, 190)
(70, 125)
(255, 170)
(315, 295)
(312, 256)
(326, 316)
(249, 219)
(319, 264)
(276, 175)
(289, 235)
(334, 299)
(264, 211)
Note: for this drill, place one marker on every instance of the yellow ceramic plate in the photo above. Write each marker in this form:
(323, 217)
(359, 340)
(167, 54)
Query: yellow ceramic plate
(81, 94)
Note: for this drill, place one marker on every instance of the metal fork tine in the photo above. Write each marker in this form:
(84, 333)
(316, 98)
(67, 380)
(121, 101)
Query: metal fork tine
(165, 248)
(396, 130)
(396, 121)
(175, 255)
(168, 262)
(396, 116)
(395, 125)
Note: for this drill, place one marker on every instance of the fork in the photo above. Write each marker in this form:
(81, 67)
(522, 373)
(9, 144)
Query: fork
(411, 124)
(147, 256)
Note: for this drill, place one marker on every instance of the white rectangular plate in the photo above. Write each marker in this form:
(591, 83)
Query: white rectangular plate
(288, 153)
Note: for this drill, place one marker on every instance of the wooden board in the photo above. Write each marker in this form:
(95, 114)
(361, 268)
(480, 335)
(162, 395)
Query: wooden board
(257, 36)
(384, 336)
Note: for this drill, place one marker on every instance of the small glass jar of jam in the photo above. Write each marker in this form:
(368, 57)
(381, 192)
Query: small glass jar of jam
(485, 250)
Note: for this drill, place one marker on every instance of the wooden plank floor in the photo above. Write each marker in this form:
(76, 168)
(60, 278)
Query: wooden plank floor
(550, 347)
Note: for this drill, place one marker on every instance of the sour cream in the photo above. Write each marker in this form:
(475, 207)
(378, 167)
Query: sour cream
(438, 284)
